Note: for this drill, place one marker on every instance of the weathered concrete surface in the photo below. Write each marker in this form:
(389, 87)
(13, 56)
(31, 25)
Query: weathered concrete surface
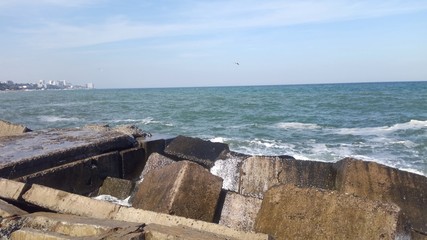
(76, 226)
(239, 212)
(154, 143)
(155, 161)
(41, 150)
(133, 162)
(289, 212)
(32, 234)
(81, 177)
(9, 210)
(379, 182)
(259, 173)
(8, 129)
(183, 188)
(197, 150)
(116, 187)
(68, 203)
(12, 190)
(60, 201)
(159, 232)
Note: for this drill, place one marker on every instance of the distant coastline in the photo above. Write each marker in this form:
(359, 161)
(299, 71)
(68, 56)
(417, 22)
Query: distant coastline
(42, 85)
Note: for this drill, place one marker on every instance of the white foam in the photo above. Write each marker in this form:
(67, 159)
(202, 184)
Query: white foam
(413, 125)
(218, 139)
(49, 118)
(109, 198)
(297, 125)
(228, 170)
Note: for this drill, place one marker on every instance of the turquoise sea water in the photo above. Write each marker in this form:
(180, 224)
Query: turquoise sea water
(382, 122)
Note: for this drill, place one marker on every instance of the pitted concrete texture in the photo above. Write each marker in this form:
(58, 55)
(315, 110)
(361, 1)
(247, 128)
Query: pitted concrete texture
(382, 183)
(182, 188)
(239, 212)
(36, 151)
(289, 212)
(259, 173)
(68, 203)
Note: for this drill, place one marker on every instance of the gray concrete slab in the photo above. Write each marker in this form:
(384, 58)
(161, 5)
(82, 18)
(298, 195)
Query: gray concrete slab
(40, 150)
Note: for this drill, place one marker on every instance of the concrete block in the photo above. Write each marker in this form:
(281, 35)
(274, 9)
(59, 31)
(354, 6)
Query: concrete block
(67, 203)
(116, 187)
(33, 234)
(229, 170)
(289, 212)
(197, 150)
(154, 143)
(133, 162)
(183, 188)
(259, 173)
(64, 202)
(155, 161)
(149, 217)
(40, 150)
(159, 232)
(239, 212)
(382, 183)
(81, 177)
(77, 226)
(9, 210)
(8, 129)
(11, 190)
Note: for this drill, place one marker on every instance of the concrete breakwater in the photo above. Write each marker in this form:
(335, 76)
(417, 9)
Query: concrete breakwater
(187, 188)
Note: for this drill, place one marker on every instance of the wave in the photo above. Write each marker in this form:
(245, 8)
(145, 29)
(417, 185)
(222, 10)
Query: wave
(411, 125)
(49, 118)
(297, 125)
(143, 121)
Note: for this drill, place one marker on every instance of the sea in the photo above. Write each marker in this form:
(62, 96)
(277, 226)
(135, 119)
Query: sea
(380, 122)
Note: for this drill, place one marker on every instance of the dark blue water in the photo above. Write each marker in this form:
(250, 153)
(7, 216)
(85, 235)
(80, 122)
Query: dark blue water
(383, 122)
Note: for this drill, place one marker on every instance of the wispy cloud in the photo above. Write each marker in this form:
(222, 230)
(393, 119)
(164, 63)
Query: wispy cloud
(207, 17)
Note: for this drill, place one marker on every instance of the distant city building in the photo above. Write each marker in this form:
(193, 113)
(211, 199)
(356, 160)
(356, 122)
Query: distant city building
(90, 86)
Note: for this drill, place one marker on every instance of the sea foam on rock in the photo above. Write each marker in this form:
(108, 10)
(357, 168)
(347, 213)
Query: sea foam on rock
(197, 150)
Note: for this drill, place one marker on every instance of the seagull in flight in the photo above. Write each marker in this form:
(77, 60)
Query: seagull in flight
(236, 63)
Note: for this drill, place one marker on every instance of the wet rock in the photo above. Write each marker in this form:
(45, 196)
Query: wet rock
(197, 150)
(239, 212)
(9, 129)
(382, 183)
(183, 188)
(132, 130)
(155, 143)
(133, 162)
(41, 150)
(81, 177)
(116, 187)
(259, 173)
(290, 212)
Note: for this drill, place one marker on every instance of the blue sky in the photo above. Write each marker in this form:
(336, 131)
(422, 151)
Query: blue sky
(164, 43)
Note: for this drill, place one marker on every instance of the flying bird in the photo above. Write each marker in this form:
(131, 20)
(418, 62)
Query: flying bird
(236, 63)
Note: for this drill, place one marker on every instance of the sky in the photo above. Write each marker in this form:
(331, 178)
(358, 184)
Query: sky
(165, 43)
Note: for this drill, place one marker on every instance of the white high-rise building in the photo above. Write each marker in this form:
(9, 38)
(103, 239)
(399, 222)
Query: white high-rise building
(90, 86)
